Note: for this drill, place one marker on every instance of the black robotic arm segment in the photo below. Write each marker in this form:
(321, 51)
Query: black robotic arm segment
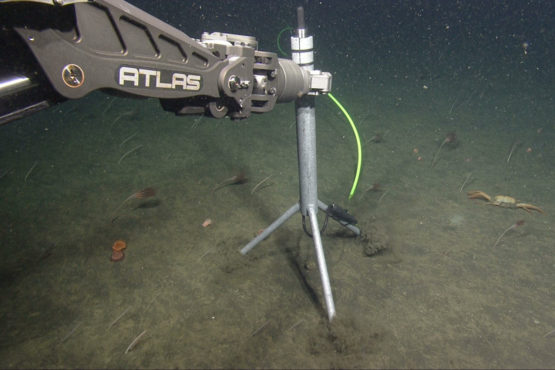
(112, 44)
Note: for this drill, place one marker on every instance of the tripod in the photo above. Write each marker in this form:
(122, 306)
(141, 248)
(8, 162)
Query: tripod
(308, 181)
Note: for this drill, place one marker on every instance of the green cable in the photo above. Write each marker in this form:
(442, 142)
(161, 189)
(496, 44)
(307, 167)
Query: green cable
(283, 53)
(359, 147)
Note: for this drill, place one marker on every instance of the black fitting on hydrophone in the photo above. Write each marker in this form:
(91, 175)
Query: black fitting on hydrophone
(300, 18)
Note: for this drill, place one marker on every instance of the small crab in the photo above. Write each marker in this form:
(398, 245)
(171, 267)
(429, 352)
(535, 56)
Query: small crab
(503, 201)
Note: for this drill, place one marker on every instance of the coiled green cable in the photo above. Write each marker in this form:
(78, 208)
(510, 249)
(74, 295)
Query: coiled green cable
(283, 53)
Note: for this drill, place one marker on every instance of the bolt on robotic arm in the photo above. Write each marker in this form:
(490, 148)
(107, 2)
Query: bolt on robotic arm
(64, 49)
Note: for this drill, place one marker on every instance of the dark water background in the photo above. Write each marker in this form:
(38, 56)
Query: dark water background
(438, 295)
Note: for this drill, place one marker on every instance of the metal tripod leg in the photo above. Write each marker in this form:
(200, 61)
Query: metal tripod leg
(270, 229)
(322, 267)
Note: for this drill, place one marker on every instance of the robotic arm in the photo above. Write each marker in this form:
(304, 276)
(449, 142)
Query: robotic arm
(74, 47)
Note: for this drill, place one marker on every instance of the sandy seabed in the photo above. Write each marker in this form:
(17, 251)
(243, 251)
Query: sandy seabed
(438, 295)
